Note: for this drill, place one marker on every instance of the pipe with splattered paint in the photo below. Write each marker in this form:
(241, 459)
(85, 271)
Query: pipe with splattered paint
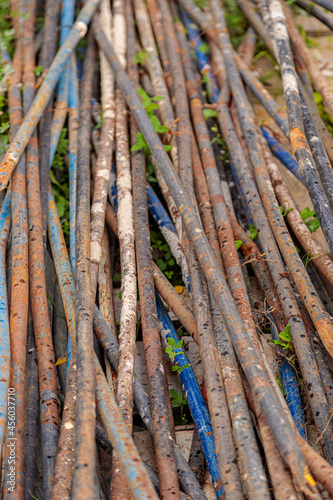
(65, 456)
(20, 279)
(128, 306)
(84, 467)
(101, 174)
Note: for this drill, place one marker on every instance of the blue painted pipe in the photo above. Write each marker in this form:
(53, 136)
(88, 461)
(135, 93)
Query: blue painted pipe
(193, 397)
(66, 23)
(5, 220)
(158, 211)
(113, 188)
(203, 61)
(282, 154)
(290, 386)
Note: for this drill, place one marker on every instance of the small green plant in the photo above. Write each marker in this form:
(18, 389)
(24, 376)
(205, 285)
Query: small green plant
(281, 387)
(150, 104)
(218, 138)
(172, 350)
(235, 20)
(309, 43)
(209, 113)
(4, 125)
(100, 123)
(177, 400)
(285, 341)
(238, 244)
(39, 70)
(285, 213)
(204, 48)
(328, 120)
(312, 224)
(141, 57)
(165, 261)
(253, 231)
(150, 173)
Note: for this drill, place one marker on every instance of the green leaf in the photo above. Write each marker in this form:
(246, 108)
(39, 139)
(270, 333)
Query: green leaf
(175, 368)
(62, 205)
(176, 399)
(157, 98)
(317, 97)
(171, 262)
(209, 113)
(238, 244)
(161, 264)
(179, 344)
(285, 336)
(204, 48)
(313, 225)
(171, 342)
(119, 295)
(38, 70)
(143, 94)
(167, 147)
(253, 231)
(306, 213)
(137, 147)
(169, 349)
(278, 342)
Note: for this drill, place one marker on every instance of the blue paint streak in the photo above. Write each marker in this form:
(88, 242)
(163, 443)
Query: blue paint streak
(113, 188)
(290, 386)
(193, 397)
(282, 154)
(66, 23)
(203, 61)
(158, 211)
(5, 219)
